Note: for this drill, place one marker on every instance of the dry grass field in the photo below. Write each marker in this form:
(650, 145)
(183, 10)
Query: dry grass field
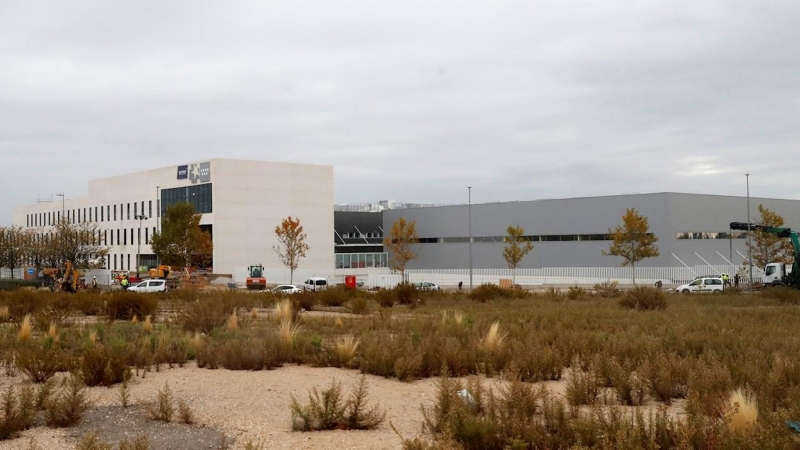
(494, 369)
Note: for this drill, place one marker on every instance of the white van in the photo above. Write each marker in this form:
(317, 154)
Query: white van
(315, 284)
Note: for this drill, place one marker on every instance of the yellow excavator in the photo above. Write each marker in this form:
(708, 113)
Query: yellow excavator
(161, 271)
(71, 276)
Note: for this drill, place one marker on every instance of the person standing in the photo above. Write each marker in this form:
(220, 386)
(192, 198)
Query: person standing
(725, 280)
(94, 282)
(736, 281)
(124, 283)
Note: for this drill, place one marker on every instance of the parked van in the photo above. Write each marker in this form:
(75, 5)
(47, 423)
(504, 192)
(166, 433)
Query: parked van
(315, 284)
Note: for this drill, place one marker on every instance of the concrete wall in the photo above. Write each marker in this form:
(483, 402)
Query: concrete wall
(250, 198)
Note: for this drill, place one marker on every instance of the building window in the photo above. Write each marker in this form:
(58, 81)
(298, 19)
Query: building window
(84, 215)
(115, 261)
(118, 237)
(142, 208)
(129, 212)
(146, 240)
(125, 236)
(129, 261)
(115, 212)
(199, 196)
(149, 208)
(135, 209)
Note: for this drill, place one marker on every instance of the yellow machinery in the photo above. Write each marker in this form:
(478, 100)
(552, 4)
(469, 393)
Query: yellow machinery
(71, 276)
(161, 271)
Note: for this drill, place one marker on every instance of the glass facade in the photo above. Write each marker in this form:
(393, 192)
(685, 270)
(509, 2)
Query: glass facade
(361, 260)
(198, 196)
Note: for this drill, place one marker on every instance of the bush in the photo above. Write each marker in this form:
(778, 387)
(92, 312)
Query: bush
(488, 291)
(644, 298)
(39, 360)
(208, 312)
(574, 293)
(122, 305)
(329, 411)
(17, 412)
(782, 294)
(10, 285)
(304, 301)
(105, 364)
(334, 296)
(162, 408)
(358, 305)
(385, 298)
(607, 289)
(406, 294)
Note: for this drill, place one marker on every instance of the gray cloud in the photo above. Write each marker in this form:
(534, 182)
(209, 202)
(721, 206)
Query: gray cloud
(411, 101)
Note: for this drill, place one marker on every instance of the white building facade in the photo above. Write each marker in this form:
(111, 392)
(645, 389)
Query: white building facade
(241, 203)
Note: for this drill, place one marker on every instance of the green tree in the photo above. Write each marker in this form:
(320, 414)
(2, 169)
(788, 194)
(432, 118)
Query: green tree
(632, 240)
(181, 242)
(769, 247)
(517, 247)
(400, 244)
(79, 243)
(291, 244)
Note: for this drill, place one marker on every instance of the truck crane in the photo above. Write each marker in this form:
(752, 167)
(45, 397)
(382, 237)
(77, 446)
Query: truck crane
(778, 274)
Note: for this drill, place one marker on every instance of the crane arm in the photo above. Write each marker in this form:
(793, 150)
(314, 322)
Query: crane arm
(782, 232)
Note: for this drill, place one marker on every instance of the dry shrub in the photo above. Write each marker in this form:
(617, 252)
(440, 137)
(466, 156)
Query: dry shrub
(285, 311)
(607, 289)
(147, 326)
(69, 404)
(494, 338)
(185, 413)
(488, 291)
(123, 305)
(576, 293)
(644, 298)
(358, 305)
(105, 364)
(25, 329)
(233, 322)
(4, 314)
(161, 409)
(582, 387)
(329, 410)
(39, 360)
(93, 441)
(744, 410)
(304, 301)
(209, 311)
(248, 354)
(17, 412)
(287, 333)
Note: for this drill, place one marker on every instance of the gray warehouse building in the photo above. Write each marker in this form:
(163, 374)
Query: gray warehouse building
(692, 230)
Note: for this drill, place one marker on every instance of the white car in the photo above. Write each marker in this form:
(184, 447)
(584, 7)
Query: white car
(286, 289)
(315, 284)
(150, 286)
(427, 286)
(713, 285)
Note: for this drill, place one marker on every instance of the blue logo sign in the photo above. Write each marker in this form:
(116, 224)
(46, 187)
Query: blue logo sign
(183, 172)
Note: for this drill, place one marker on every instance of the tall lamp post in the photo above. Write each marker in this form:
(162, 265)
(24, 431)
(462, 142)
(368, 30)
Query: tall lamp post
(749, 239)
(469, 212)
(158, 217)
(140, 218)
(62, 205)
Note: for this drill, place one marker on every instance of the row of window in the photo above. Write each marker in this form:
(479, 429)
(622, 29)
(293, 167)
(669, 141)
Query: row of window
(355, 235)
(361, 260)
(712, 235)
(198, 195)
(91, 214)
(119, 236)
(532, 238)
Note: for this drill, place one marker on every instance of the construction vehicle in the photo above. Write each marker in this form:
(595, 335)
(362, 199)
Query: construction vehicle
(256, 280)
(161, 271)
(778, 273)
(71, 276)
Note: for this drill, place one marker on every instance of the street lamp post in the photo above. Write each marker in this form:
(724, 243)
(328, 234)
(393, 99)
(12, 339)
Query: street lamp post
(469, 212)
(140, 218)
(749, 239)
(158, 217)
(62, 205)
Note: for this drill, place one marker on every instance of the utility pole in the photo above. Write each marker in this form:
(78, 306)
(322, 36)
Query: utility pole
(749, 239)
(140, 218)
(469, 212)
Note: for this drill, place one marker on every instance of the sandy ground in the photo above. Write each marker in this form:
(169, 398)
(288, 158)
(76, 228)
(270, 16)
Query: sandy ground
(253, 406)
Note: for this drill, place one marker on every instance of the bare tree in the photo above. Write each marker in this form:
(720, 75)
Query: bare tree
(292, 244)
(79, 243)
(399, 243)
(517, 247)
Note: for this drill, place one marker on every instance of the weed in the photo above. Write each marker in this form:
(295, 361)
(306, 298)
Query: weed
(385, 298)
(575, 293)
(406, 294)
(333, 296)
(582, 388)
(346, 347)
(744, 410)
(233, 322)
(147, 326)
(122, 305)
(287, 333)
(358, 305)
(250, 445)
(140, 442)
(124, 393)
(494, 338)
(4, 314)
(284, 311)
(39, 360)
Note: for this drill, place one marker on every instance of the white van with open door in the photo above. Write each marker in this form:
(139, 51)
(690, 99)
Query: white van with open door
(315, 284)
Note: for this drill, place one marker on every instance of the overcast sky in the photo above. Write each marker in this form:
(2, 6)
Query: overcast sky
(408, 100)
